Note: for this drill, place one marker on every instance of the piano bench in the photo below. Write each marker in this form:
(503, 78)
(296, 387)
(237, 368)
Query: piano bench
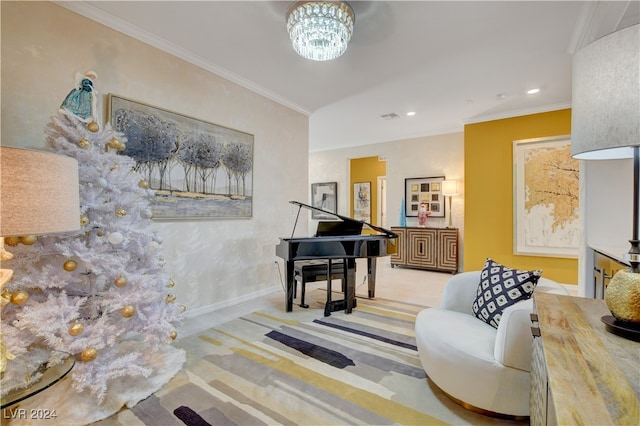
(307, 271)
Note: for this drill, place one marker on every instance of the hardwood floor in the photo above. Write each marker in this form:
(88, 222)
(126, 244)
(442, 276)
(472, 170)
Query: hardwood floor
(402, 284)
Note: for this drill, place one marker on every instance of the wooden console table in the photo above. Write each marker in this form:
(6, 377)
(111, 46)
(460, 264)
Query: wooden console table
(581, 373)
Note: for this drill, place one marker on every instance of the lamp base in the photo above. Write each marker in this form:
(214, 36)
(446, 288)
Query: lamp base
(623, 296)
(624, 329)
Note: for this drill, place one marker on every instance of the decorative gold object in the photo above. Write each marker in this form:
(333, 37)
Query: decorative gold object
(143, 184)
(171, 298)
(70, 265)
(89, 354)
(100, 232)
(128, 311)
(183, 308)
(93, 127)
(173, 335)
(120, 281)
(171, 284)
(121, 212)
(84, 143)
(28, 240)
(19, 297)
(11, 241)
(623, 296)
(84, 220)
(76, 328)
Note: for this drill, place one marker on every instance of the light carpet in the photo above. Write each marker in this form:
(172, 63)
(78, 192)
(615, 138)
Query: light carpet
(272, 367)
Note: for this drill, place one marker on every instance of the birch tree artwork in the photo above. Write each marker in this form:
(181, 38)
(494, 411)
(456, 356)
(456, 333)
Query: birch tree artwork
(196, 169)
(547, 198)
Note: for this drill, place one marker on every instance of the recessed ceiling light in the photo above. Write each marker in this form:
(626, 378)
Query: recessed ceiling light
(411, 113)
(501, 96)
(532, 91)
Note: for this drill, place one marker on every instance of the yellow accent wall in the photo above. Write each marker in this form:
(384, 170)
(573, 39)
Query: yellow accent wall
(367, 170)
(488, 216)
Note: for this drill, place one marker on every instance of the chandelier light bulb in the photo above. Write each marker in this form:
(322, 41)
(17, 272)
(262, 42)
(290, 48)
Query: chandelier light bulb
(320, 30)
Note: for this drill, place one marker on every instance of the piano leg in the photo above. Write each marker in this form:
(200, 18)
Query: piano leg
(350, 278)
(328, 305)
(291, 283)
(371, 276)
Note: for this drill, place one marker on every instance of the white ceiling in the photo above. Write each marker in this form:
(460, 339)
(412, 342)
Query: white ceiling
(451, 62)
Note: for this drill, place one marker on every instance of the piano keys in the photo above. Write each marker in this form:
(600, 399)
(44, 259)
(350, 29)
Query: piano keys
(339, 239)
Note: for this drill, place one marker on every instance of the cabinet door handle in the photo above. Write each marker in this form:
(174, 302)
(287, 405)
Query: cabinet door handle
(421, 248)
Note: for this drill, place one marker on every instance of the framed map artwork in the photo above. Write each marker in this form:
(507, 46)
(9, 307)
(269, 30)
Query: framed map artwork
(546, 198)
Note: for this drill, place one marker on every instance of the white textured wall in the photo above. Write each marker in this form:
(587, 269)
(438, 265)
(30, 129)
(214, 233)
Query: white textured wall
(441, 155)
(214, 262)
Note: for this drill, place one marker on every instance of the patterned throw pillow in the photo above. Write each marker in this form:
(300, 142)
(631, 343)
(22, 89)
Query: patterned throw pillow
(501, 287)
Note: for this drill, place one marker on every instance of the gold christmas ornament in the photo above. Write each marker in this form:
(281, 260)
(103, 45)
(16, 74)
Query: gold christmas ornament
(173, 335)
(120, 281)
(89, 354)
(171, 298)
(121, 212)
(28, 240)
(115, 166)
(83, 143)
(70, 265)
(171, 284)
(76, 328)
(19, 297)
(100, 232)
(93, 127)
(143, 184)
(113, 143)
(11, 241)
(128, 311)
(623, 296)
(183, 308)
(84, 220)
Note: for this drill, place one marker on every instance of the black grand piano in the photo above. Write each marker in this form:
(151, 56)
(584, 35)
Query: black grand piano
(337, 240)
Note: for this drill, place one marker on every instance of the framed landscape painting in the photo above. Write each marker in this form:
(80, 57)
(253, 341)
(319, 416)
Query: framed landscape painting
(546, 198)
(196, 169)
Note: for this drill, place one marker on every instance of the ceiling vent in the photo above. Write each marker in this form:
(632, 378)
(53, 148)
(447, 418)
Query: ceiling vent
(390, 116)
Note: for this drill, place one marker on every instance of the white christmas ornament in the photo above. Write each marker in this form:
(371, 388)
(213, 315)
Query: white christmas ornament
(115, 238)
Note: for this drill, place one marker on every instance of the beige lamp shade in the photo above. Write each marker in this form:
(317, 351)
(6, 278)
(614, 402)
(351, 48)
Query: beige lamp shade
(39, 193)
(605, 116)
(450, 187)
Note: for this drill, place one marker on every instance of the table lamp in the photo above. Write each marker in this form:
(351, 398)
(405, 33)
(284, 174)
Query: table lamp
(39, 194)
(449, 189)
(606, 125)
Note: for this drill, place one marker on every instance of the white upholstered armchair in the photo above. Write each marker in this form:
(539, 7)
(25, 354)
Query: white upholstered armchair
(483, 368)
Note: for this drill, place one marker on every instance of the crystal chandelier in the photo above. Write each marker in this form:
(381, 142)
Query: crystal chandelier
(320, 30)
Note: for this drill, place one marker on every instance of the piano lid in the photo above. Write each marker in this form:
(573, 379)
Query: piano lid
(352, 223)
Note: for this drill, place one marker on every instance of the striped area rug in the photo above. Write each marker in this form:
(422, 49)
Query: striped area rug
(272, 367)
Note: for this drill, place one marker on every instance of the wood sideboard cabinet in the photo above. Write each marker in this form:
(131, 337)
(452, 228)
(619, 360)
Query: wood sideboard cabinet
(581, 374)
(604, 268)
(434, 249)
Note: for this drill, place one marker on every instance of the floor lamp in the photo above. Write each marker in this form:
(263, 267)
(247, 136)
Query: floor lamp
(39, 194)
(606, 125)
(449, 189)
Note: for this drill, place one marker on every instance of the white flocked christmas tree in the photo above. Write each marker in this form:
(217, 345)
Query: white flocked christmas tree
(102, 295)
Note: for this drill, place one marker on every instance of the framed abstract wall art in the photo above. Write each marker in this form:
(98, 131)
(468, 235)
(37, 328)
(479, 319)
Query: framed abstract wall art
(546, 197)
(196, 169)
(362, 201)
(324, 196)
(426, 190)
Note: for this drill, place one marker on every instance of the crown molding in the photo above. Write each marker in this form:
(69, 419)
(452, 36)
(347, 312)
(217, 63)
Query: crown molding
(95, 14)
